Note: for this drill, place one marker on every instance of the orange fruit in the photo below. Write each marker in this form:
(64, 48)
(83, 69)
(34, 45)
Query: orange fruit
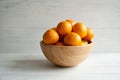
(50, 37)
(80, 28)
(64, 28)
(59, 44)
(72, 39)
(71, 21)
(61, 38)
(84, 42)
(90, 35)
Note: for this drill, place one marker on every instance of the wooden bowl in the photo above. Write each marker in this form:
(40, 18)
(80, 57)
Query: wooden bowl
(66, 55)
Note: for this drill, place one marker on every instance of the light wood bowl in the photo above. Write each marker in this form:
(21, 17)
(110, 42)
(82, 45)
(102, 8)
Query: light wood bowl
(66, 55)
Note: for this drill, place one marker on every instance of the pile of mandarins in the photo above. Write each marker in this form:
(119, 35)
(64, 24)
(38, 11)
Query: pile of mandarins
(68, 33)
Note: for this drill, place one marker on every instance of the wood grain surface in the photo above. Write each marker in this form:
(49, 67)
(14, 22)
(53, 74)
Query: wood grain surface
(100, 66)
(22, 22)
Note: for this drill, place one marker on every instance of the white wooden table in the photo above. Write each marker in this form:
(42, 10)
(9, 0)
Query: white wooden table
(98, 66)
(22, 23)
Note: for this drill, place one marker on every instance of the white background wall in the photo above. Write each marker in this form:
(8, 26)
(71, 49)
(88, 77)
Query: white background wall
(22, 22)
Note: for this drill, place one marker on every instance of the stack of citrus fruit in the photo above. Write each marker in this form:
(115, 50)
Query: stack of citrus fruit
(68, 33)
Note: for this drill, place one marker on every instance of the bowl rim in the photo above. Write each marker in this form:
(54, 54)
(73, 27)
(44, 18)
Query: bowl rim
(42, 43)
